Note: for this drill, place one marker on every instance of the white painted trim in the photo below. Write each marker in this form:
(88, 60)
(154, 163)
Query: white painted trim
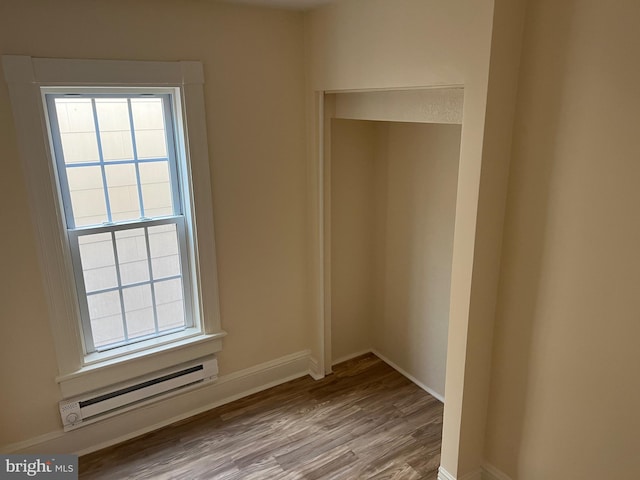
(427, 389)
(25, 75)
(314, 369)
(444, 475)
(26, 445)
(351, 356)
(46, 217)
(396, 89)
(489, 472)
(160, 414)
(201, 211)
(63, 71)
(324, 237)
(110, 372)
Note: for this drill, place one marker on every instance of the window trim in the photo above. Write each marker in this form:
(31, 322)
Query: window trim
(79, 373)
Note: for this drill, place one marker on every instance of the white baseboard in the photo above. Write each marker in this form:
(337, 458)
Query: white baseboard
(489, 472)
(25, 445)
(151, 417)
(350, 356)
(444, 475)
(427, 389)
(314, 369)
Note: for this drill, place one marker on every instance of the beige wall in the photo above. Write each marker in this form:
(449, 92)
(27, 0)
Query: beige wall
(416, 43)
(254, 91)
(353, 220)
(496, 154)
(565, 392)
(422, 174)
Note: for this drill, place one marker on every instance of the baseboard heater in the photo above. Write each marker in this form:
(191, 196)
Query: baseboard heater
(80, 411)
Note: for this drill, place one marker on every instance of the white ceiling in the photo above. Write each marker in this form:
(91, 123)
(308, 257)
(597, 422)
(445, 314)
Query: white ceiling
(292, 4)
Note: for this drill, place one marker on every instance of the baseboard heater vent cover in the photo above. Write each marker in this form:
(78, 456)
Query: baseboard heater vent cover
(79, 411)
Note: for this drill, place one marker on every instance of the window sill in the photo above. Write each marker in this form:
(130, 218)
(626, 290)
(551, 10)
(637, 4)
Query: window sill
(172, 340)
(125, 363)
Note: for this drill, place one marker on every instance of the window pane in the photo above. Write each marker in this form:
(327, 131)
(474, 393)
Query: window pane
(79, 147)
(156, 189)
(138, 308)
(165, 254)
(170, 315)
(169, 304)
(132, 256)
(106, 318)
(123, 192)
(87, 195)
(77, 130)
(115, 131)
(98, 263)
(151, 144)
(74, 115)
(148, 121)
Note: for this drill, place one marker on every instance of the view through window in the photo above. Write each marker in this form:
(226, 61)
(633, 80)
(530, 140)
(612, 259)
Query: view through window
(119, 183)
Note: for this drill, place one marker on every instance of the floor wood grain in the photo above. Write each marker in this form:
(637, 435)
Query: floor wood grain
(366, 421)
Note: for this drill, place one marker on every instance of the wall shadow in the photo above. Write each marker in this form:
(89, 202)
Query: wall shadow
(538, 111)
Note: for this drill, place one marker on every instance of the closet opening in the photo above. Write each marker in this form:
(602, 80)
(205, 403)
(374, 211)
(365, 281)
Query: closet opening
(390, 183)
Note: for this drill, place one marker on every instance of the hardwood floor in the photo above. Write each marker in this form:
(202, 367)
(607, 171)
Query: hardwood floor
(366, 421)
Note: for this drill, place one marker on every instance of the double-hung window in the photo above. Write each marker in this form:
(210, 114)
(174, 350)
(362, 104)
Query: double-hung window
(116, 161)
(118, 179)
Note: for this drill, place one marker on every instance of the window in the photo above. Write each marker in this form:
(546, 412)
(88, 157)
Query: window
(123, 212)
(120, 193)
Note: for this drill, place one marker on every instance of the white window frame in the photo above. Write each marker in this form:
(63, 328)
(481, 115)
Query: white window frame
(79, 372)
(180, 194)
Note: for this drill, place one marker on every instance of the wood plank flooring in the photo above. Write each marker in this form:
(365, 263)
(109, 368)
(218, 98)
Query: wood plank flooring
(366, 421)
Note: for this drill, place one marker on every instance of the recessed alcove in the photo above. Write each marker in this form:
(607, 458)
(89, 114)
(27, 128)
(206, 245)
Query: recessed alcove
(391, 172)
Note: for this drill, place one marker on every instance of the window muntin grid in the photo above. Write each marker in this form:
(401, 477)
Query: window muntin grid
(104, 157)
(124, 152)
